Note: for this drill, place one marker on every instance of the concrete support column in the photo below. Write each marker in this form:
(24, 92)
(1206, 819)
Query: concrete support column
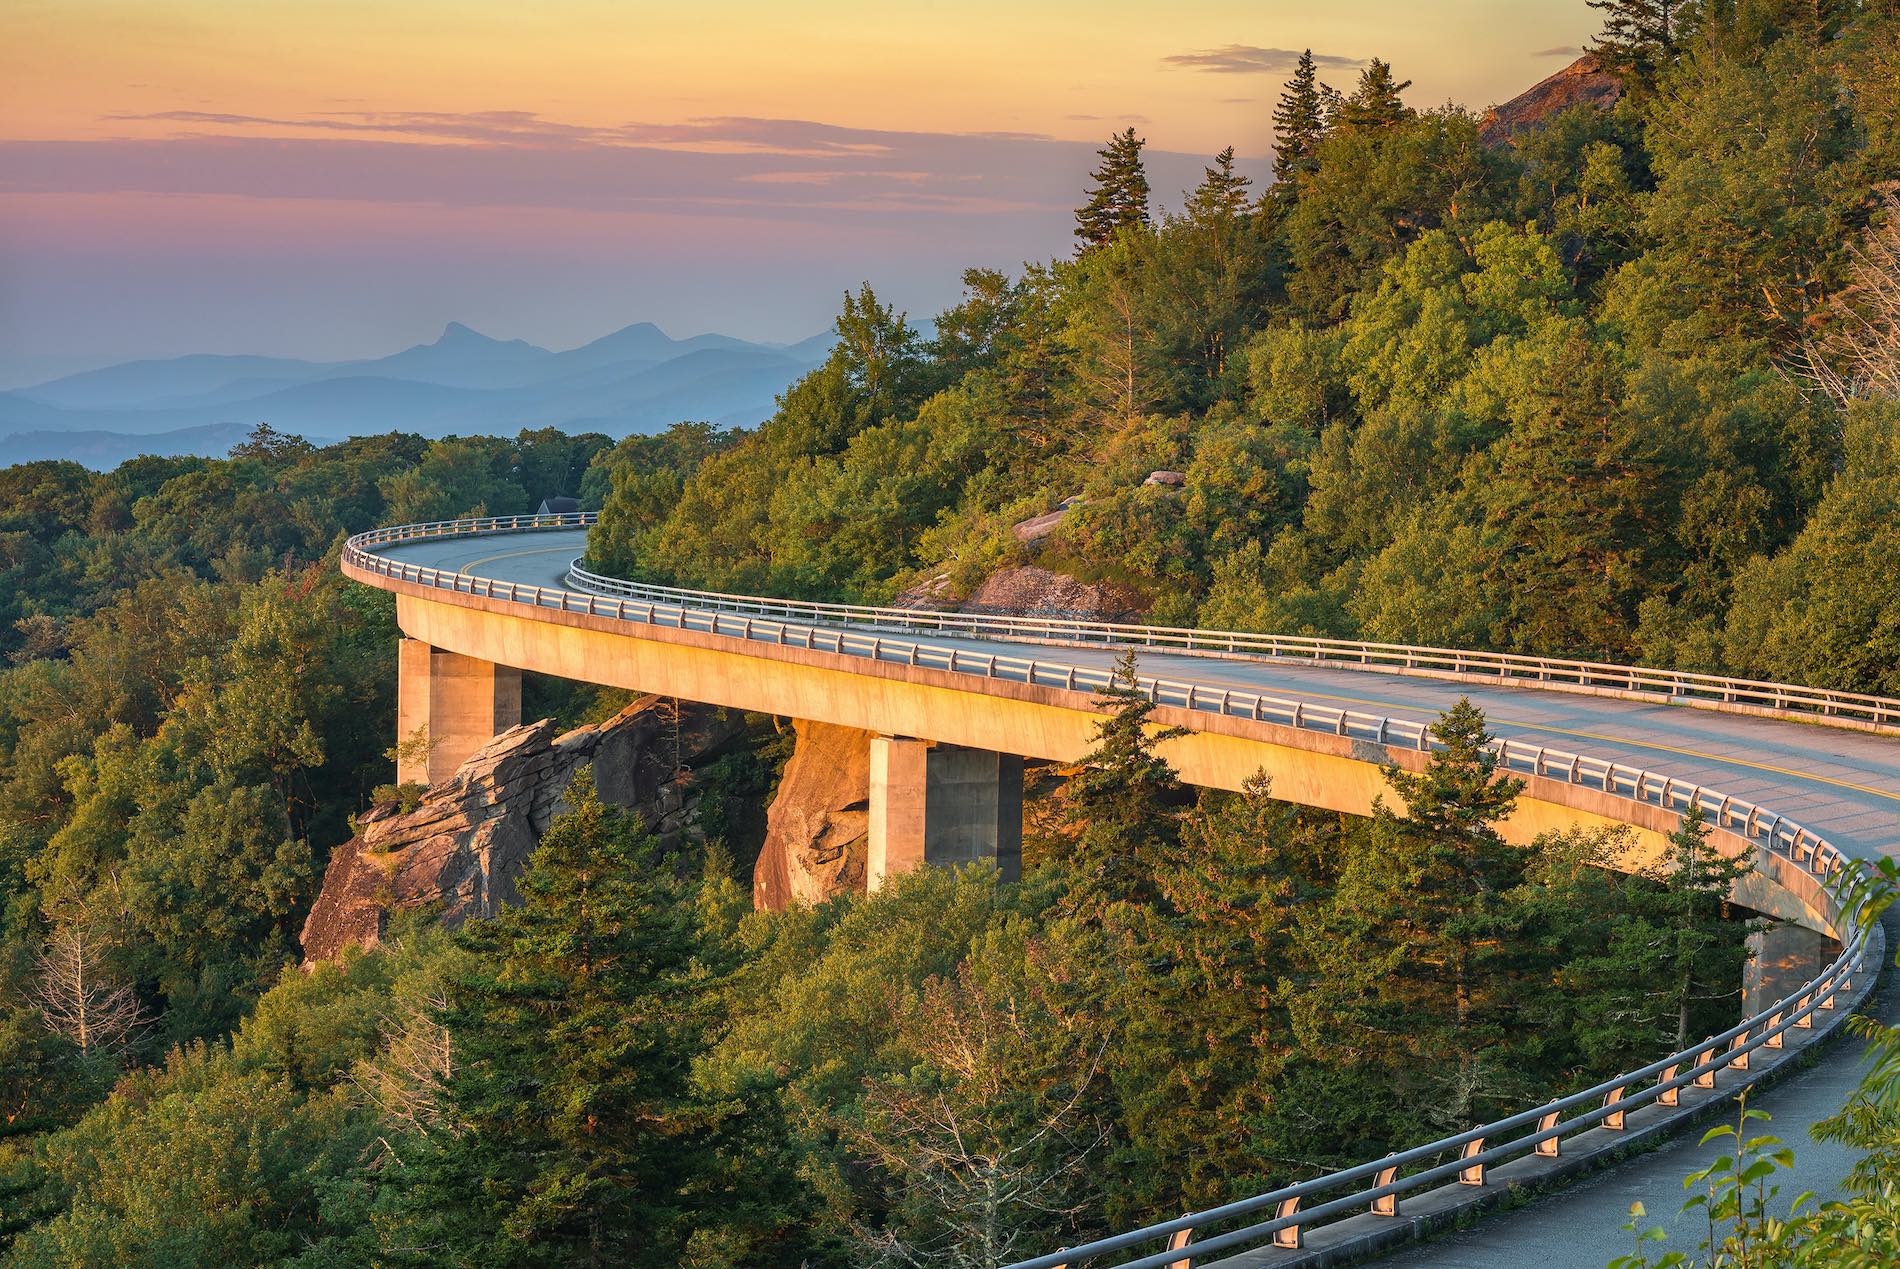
(1781, 958)
(942, 804)
(454, 704)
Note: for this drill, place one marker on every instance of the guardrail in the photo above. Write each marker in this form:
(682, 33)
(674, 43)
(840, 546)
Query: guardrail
(765, 620)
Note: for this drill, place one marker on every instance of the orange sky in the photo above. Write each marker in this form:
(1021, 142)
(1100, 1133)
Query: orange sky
(222, 141)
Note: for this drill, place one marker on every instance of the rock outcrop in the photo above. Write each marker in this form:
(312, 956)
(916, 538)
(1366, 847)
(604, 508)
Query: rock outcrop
(463, 845)
(816, 828)
(1032, 591)
(1583, 81)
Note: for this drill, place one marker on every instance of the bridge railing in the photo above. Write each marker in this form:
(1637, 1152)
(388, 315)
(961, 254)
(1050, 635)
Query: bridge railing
(1374, 1186)
(1503, 666)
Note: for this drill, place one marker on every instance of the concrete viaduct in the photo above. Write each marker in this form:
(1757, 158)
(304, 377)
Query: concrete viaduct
(955, 703)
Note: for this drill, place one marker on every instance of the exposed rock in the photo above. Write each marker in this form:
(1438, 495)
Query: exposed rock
(932, 595)
(1036, 528)
(1583, 81)
(1032, 591)
(816, 828)
(463, 846)
(1169, 479)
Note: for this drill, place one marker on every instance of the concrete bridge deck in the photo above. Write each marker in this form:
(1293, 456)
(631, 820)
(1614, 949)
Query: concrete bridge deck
(1841, 784)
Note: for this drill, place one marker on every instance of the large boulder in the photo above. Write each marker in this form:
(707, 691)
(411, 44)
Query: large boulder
(1032, 591)
(462, 846)
(816, 830)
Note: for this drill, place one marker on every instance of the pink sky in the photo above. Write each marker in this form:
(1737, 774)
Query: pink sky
(341, 179)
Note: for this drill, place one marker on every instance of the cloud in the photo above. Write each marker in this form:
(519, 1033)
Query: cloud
(1562, 50)
(1246, 59)
(788, 170)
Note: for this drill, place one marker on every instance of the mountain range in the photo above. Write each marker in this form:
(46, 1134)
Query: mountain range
(635, 380)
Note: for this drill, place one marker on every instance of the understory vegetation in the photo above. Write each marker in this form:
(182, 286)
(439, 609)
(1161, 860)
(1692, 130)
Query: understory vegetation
(1623, 386)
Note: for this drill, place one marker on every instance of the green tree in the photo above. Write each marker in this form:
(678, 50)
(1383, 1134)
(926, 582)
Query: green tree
(1121, 803)
(581, 1139)
(1375, 102)
(1639, 37)
(1299, 123)
(1120, 196)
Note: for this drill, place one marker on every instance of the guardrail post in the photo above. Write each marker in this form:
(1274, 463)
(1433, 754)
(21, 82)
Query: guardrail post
(1669, 1096)
(1288, 1237)
(1806, 1021)
(1739, 1060)
(1385, 1204)
(1473, 1175)
(1176, 1241)
(1774, 1033)
(1705, 1079)
(1614, 1120)
(1548, 1146)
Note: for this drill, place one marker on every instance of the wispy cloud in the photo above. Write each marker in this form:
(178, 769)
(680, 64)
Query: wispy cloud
(1562, 50)
(1248, 59)
(780, 169)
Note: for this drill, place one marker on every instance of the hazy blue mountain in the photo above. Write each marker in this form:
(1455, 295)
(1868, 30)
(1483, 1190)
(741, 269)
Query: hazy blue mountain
(637, 379)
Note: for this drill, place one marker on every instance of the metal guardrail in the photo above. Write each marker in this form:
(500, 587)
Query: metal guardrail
(765, 620)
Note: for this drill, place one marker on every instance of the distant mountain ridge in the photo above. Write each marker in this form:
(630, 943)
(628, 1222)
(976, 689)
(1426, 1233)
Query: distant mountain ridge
(634, 380)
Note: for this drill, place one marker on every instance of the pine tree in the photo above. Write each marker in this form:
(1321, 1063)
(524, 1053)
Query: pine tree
(1375, 103)
(1299, 124)
(580, 1141)
(1704, 952)
(1639, 37)
(1120, 196)
(1120, 804)
(1222, 193)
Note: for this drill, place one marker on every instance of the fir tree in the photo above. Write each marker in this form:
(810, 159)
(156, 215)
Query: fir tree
(1120, 196)
(1639, 37)
(1222, 193)
(579, 1140)
(1375, 103)
(1120, 804)
(1299, 124)
(1705, 956)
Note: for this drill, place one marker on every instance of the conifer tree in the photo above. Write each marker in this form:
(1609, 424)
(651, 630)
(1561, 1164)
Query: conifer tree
(580, 1141)
(1376, 103)
(1120, 803)
(1705, 956)
(1639, 37)
(1222, 193)
(1120, 196)
(1299, 124)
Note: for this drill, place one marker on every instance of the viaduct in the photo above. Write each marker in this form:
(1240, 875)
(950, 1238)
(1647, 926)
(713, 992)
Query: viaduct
(1806, 782)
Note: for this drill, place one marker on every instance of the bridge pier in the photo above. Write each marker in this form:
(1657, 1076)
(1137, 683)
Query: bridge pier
(1781, 958)
(942, 804)
(455, 704)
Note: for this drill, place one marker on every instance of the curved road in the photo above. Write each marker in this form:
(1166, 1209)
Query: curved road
(1840, 783)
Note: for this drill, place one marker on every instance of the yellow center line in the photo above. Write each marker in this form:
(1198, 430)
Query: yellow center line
(509, 555)
(1632, 743)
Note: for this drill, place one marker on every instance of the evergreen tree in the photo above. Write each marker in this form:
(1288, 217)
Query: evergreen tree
(1705, 957)
(1222, 193)
(1414, 966)
(1375, 103)
(579, 1140)
(1299, 124)
(1120, 196)
(1639, 37)
(1121, 802)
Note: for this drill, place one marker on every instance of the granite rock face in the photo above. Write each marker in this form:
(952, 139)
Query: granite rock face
(463, 845)
(1584, 81)
(816, 830)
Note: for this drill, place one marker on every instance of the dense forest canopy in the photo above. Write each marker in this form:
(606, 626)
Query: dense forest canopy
(1621, 386)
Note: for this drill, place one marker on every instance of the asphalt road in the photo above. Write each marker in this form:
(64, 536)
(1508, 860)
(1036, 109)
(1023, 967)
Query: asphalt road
(1842, 784)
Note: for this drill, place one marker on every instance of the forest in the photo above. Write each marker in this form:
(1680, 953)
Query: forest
(1625, 386)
